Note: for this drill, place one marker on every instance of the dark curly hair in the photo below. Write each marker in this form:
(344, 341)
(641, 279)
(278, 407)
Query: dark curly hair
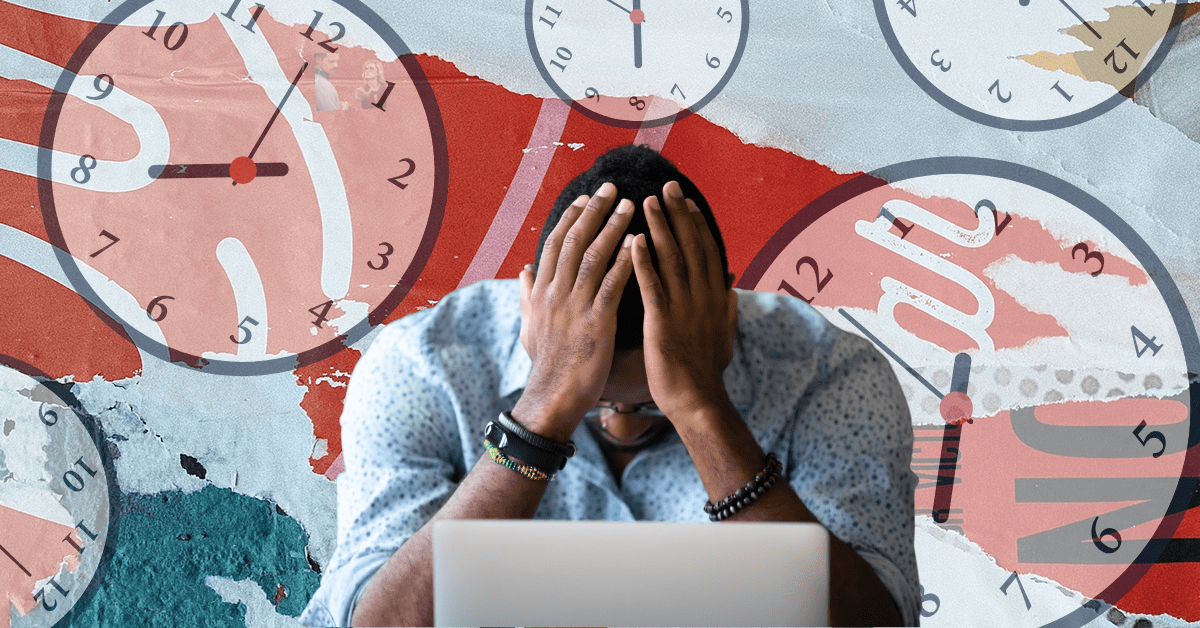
(638, 172)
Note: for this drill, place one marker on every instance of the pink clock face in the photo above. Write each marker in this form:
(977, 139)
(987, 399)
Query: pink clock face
(1045, 356)
(244, 190)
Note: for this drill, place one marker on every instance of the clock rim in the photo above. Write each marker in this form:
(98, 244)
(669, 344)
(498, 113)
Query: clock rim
(92, 427)
(274, 364)
(531, 40)
(1012, 124)
(1185, 487)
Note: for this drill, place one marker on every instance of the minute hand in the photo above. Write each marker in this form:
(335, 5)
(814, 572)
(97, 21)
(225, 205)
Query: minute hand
(637, 34)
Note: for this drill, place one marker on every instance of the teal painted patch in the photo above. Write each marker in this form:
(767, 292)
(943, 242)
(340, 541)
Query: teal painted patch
(169, 543)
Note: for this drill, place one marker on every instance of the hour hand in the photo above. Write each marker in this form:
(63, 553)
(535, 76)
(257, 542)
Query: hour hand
(212, 171)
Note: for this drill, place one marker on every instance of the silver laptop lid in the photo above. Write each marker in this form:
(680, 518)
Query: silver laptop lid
(603, 573)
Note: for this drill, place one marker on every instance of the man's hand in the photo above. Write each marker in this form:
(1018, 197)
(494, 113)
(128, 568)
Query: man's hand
(569, 314)
(690, 315)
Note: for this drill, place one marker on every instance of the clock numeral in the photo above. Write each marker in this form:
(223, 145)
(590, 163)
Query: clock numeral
(943, 64)
(676, 89)
(253, 18)
(1000, 224)
(83, 173)
(909, 5)
(323, 315)
(1015, 578)
(1137, 433)
(412, 167)
(242, 327)
(904, 229)
(45, 599)
(312, 26)
(104, 85)
(929, 597)
(84, 529)
(727, 15)
(42, 414)
(382, 256)
(556, 14)
(1150, 346)
(1088, 256)
(170, 30)
(1097, 538)
(561, 53)
(785, 286)
(1145, 8)
(591, 93)
(156, 302)
(637, 103)
(1060, 90)
(996, 86)
(383, 98)
(78, 484)
(1112, 57)
(105, 234)
(712, 62)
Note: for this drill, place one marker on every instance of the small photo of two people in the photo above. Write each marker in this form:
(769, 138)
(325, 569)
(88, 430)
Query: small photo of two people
(373, 82)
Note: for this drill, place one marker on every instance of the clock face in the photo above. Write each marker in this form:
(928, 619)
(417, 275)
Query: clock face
(55, 499)
(1029, 65)
(243, 187)
(635, 65)
(1045, 354)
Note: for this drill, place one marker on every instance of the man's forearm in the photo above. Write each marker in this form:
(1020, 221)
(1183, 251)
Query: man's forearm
(401, 592)
(726, 457)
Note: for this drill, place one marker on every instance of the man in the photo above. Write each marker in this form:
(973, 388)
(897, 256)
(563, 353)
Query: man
(701, 381)
(327, 96)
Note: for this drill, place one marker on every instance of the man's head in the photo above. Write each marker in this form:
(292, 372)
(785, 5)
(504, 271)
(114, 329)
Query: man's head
(326, 62)
(638, 172)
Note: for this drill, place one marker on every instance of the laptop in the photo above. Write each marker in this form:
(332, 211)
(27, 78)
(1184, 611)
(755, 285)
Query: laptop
(605, 573)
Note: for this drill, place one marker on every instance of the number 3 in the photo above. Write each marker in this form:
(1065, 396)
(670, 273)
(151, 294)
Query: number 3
(1088, 256)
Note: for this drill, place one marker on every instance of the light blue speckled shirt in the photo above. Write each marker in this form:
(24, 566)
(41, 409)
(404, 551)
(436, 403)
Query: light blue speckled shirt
(825, 401)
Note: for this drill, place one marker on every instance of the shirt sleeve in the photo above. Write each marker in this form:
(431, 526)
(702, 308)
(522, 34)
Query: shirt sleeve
(852, 453)
(402, 464)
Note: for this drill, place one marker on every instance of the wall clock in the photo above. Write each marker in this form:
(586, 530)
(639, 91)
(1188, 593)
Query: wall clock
(265, 180)
(56, 498)
(632, 64)
(1048, 361)
(1029, 65)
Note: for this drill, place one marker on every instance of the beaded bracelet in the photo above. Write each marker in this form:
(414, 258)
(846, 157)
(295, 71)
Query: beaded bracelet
(499, 458)
(747, 495)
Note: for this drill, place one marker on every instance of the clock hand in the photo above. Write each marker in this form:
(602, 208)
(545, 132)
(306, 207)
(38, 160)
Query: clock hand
(14, 559)
(619, 6)
(211, 171)
(1077, 16)
(277, 109)
(891, 353)
(637, 17)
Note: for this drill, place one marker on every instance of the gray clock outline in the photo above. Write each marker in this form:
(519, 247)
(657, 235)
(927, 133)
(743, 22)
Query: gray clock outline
(270, 365)
(1096, 210)
(1010, 124)
(630, 124)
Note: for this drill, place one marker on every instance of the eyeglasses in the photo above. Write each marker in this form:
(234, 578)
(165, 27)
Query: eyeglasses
(605, 408)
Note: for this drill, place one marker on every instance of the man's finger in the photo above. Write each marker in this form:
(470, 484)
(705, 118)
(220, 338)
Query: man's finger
(581, 234)
(553, 244)
(712, 255)
(526, 277)
(595, 258)
(651, 288)
(613, 285)
(670, 261)
(684, 229)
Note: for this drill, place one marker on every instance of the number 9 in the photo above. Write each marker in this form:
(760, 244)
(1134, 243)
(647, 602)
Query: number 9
(591, 93)
(105, 87)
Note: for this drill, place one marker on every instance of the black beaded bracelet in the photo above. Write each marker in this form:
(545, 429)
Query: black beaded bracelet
(747, 495)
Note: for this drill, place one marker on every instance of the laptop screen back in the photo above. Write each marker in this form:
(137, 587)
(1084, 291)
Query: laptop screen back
(602, 573)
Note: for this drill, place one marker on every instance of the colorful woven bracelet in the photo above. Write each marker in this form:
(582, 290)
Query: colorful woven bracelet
(499, 458)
